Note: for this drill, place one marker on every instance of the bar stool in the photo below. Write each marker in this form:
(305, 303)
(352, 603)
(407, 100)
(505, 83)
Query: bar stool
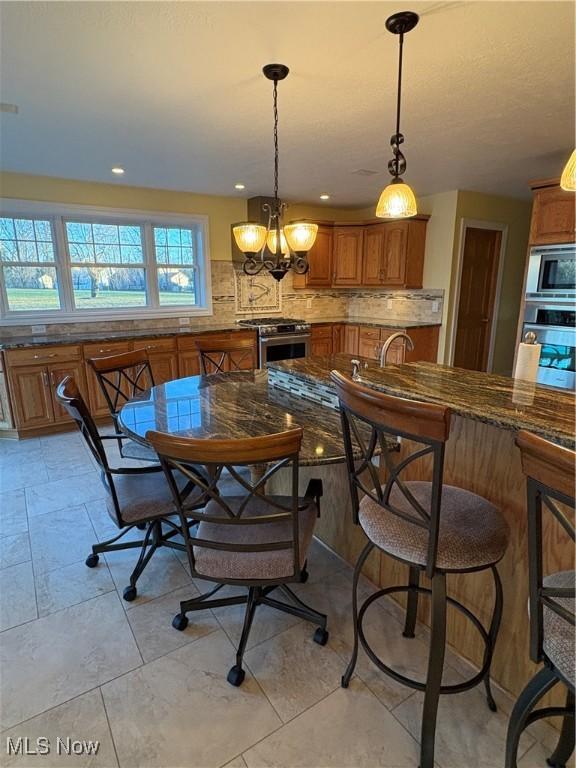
(431, 527)
(551, 477)
(221, 355)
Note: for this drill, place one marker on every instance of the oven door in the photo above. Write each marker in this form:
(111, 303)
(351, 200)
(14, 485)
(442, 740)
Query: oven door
(558, 355)
(552, 271)
(283, 347)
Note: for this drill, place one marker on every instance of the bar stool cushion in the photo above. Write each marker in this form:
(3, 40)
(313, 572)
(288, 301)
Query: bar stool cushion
(141, 497)
(558, 640)
(473, 533)
(274, 564)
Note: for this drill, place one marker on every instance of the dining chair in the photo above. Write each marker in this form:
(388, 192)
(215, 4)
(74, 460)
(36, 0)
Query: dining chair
(221, 355)
(122, 377)
(550, 473)
(252, 539)
(433, 528)
(136, 498)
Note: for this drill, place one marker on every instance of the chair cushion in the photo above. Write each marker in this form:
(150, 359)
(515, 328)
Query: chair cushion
(558, 640)
(275, 564)
(141, 497)
(473, 533)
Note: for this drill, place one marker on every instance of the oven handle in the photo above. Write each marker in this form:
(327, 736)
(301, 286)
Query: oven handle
(565, 336)
(285, 338)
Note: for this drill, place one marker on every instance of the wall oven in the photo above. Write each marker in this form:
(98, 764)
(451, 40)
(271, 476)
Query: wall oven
(551, 272)
(554, 326)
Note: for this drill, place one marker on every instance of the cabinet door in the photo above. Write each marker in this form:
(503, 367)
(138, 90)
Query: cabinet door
(321, 347)
(31, 396)
(98, 404)
(56, 373)
(164, 366)
(244, 359)
(396, 352)
(394, 264)
(552, 217)
(369, 348)
(320, 259)
(373, 259)
(351, 339)
(348, 255)
(337, 338)
(188, 363)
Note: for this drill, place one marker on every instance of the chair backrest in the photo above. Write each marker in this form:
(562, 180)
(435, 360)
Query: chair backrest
(220, 355)
(386, 417)
(551, 475)
(202, 462)
(122, 377)
(70, 398)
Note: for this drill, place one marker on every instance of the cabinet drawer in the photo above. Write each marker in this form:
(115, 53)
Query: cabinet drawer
(43, 355)
(369, 333)
(155, 345)
(104, 348)
(321, 331)
(189, 342)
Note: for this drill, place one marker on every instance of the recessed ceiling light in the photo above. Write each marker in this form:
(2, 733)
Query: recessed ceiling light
(239, 186)
(324, 197)
(118, 170)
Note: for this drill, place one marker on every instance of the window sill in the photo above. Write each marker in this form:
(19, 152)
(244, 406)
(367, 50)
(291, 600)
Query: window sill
(99, 316)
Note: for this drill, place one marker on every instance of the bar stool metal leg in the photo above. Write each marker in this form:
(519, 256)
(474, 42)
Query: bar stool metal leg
(412, 603)
(357, 570)
(565, 745)
(435, 669)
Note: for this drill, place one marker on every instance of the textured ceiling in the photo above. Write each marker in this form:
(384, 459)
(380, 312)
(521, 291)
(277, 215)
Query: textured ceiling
(172, 91)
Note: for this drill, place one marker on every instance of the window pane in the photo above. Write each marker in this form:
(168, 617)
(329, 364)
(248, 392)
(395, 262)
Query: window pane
(25, 240)
(176, 286)
(31, 288)
(180, 242)
(104, 243)
(108, 287)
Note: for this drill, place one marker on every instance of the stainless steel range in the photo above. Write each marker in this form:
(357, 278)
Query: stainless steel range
(280, 338)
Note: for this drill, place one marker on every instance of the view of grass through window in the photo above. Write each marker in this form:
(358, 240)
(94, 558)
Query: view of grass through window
(107, 265)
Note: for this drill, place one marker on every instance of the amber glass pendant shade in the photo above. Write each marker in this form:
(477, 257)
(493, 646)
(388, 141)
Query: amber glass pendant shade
(250, 237)
(397, 201)
(271, 242)
(568, 178)
(301, 236)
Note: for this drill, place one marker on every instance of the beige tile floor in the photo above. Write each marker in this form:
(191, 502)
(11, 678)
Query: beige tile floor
(77, 661)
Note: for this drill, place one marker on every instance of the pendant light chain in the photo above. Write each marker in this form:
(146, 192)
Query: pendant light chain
(398, 99)
(275, 107)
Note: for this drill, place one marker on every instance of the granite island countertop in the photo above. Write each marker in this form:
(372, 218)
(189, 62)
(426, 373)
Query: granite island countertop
(85, 337)
(489, 398)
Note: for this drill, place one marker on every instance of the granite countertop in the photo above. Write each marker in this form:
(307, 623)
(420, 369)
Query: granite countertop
(18, 342)
(492, 399)
(47, 339)
(235, 405)
(371, 322)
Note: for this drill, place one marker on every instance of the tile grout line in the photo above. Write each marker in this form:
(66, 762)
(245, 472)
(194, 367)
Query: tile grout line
(110, 731)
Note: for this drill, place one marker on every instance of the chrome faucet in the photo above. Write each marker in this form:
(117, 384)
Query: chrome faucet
(389, 341)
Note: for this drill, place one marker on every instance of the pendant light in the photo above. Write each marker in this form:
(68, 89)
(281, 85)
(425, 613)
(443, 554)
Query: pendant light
(397, 200)
(277, 247)
(568, 178)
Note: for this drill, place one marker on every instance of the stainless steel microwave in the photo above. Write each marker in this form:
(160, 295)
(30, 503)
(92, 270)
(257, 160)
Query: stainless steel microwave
(551, 272)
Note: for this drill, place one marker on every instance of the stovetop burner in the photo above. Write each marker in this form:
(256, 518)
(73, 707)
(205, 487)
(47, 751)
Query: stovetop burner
(257, 321)
(276, 325)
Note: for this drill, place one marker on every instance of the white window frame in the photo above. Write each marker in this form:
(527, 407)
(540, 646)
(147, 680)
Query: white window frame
(57, 213)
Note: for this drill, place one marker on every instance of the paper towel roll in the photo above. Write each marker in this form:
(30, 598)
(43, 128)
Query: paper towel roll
(523, 392)
(527, 362)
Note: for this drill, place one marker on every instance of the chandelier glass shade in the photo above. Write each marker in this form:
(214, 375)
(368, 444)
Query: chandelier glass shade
(568, 178)
(276, 247)
(397, 200)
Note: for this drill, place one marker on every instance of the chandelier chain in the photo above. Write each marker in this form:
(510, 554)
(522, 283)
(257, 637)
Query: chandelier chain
(275, 103)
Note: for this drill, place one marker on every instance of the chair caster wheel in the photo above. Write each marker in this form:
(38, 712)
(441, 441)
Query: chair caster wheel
(142, 526)
(492, 705)
(344, 683)
(236, 676)
(129, 594)
(321, 636)
(304, 576)
(180, 622)
(92, 561)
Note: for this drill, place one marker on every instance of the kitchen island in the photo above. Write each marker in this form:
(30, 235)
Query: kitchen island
(481, 456)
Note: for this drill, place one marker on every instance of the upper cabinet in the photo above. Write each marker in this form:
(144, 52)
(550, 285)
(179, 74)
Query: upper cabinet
(553, 221)
(387, 254)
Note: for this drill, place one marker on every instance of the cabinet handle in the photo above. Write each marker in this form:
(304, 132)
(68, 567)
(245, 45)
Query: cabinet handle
(105, 350)
(40, 357)
(45, 379)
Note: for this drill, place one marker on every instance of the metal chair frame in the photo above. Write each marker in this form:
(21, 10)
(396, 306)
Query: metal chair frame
(215, 354)
(539, 497)
(432, 446)
(155, 536)
(187, 457)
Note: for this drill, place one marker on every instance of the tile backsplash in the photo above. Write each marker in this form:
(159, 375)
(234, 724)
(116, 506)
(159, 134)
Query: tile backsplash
(310, 304)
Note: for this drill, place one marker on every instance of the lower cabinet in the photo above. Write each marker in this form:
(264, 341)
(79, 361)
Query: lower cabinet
(350, 339)
(163, 357)
(321, 341)
(189, 359)
(96, 399)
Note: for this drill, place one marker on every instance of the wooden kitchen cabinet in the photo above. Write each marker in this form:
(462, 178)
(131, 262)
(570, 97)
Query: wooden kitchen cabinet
(347, 255)
(96, 399)
(373, 256)
(369, 342)
(56, 373)
(553, 219)
(31, 396)
(321, 340)
(337, 338)
(163, 357)
(351, 339)
(319, 262)
(189, 359)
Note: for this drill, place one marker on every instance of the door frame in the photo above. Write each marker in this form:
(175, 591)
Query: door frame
(478, 224)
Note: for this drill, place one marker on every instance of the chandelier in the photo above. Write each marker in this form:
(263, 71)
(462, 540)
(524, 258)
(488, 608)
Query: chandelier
(278, 247)
(397, 200)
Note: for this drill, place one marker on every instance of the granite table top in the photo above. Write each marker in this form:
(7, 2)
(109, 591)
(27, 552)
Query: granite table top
(489, 398)
(234, 405)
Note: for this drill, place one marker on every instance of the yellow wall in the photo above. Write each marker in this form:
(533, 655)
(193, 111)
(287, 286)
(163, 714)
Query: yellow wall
(515, 214)
(223, 211)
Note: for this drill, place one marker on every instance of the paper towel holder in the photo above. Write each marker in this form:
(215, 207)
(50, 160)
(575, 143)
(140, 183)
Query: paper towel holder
(530, 338)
